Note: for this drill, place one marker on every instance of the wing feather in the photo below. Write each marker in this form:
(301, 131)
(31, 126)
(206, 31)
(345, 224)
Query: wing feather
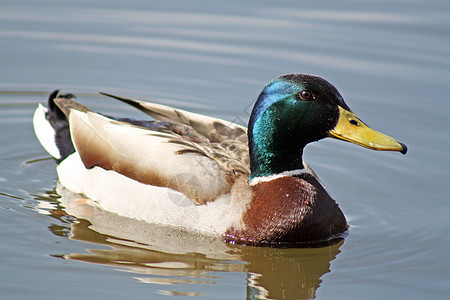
(216, 130)
(148, 158)
(197, 155)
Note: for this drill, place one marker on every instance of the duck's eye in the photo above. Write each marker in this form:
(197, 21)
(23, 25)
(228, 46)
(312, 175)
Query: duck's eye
(305, 95)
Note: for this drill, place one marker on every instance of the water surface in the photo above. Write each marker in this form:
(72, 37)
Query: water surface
(389, 59)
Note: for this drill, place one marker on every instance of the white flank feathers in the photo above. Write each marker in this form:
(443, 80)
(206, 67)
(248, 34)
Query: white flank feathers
(121, 195)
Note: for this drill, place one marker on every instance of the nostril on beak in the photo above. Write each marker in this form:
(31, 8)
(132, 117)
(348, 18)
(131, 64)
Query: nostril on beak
(354, 122)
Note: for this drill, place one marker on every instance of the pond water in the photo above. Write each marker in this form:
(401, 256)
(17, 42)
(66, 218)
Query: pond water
(389, 59)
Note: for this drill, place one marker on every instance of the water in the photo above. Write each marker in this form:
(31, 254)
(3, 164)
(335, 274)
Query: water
(389, 59)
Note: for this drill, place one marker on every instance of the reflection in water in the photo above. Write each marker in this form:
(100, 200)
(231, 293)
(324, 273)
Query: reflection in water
(287, 273)
(173, 258)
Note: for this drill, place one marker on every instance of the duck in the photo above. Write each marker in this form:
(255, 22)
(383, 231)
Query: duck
(248, 185)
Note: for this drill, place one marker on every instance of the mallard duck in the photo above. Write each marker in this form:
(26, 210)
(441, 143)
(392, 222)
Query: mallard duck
(210, 175)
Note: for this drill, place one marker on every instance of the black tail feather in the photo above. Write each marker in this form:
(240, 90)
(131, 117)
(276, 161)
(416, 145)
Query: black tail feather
(59, 122)
(131, 102)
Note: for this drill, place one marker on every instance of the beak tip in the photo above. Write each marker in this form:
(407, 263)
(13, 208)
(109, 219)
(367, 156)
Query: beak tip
(404, 148)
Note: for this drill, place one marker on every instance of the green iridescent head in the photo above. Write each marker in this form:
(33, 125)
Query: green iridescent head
(294, 110)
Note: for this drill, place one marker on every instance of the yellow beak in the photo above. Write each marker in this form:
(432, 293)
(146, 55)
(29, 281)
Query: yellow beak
(351, 129)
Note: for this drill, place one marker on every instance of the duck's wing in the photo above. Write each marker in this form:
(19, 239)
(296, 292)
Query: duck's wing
(214, 129)
(201, 170)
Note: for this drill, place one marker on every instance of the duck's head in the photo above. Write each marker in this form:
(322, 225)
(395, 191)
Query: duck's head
(296, 109)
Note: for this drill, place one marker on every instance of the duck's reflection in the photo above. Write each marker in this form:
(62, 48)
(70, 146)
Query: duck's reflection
(166, 256)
